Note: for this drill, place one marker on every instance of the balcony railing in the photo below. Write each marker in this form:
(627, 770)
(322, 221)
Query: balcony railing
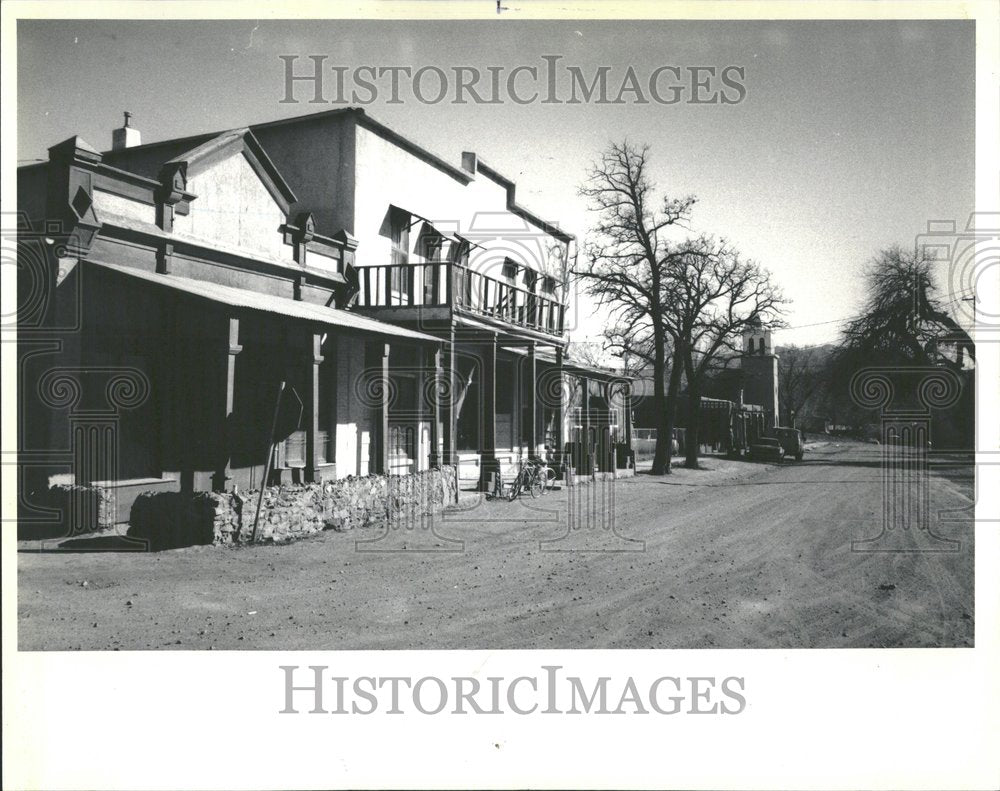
(446, 284)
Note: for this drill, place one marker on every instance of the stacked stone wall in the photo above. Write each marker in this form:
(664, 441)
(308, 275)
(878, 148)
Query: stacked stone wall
(172, 519)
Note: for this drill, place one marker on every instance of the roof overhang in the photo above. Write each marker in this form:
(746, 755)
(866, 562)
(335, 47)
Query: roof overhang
(268, 303)
(227, 144)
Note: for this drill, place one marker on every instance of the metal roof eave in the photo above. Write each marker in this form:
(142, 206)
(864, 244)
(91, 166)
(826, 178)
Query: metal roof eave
(269, 303)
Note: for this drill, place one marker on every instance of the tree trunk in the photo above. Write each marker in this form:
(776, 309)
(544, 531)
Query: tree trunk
(670, 410)
(693, 416)
(661, 455)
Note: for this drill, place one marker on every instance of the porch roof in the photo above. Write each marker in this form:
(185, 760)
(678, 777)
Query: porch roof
(268, 303)
(578, 368)
(589, 371)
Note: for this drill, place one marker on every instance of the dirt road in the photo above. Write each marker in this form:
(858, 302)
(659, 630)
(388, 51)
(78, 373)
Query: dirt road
(738, 556)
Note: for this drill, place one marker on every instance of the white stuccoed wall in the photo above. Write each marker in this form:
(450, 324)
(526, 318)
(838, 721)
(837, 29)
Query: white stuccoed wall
(234, 209)
(107, 204)
(354, 420)
(388, 175)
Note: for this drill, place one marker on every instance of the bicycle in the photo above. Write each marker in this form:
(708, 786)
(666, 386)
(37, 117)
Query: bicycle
(546, 474)
(527, 478)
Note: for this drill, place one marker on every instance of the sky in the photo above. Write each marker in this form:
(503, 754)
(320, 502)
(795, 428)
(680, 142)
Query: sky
(851, 137)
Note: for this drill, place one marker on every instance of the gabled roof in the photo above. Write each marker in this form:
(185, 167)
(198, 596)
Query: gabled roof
(146, 160)
(232, 143)
(140, 158)
(372, 124)
(514, 208)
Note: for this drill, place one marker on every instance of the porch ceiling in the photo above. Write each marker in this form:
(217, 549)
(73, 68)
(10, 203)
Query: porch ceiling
(253, 300)
(571, 367)
(508, 334)
(590, 371)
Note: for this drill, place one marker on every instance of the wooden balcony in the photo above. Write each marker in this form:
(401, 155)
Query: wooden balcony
(449, 285)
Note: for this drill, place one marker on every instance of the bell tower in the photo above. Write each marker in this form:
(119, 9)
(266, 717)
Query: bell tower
(760, 369)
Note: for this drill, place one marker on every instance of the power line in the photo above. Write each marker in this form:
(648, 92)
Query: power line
(956, 296)
(816, 324)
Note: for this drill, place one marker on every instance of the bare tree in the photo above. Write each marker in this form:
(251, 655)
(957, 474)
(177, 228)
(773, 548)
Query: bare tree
(589, 354)
(902, 322)
(801, 375)
(714, 295)
(625, 266)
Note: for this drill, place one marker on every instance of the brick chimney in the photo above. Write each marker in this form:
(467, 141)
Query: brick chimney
(126, 136)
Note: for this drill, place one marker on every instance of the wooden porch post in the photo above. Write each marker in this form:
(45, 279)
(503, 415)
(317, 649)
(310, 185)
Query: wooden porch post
(628, 419)
(225, 435)
(560, 460)
(314, 359)
(435, 457)
(488, 442)
(532, 402)
(450, 395)
(585, 443)
(384, 411)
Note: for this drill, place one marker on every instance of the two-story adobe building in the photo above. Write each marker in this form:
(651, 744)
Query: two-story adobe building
(320, 281)
(449, 251)
(164, 307)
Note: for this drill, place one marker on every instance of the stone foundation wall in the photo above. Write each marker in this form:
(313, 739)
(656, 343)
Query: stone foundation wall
(171, 519)
(84, 509)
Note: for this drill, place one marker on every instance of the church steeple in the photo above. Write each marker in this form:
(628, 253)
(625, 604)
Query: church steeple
(760, 369)
(757, 339)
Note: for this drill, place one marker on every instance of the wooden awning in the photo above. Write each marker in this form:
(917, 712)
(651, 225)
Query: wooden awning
(268, 303)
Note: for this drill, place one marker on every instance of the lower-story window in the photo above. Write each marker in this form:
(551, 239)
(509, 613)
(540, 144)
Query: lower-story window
(294, 449)
(402, 447)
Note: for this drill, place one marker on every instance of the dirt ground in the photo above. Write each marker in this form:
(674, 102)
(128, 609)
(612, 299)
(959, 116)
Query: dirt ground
(738, 555)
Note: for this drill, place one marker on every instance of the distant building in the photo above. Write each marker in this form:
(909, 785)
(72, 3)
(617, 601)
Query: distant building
(754, 382)
(759, 364)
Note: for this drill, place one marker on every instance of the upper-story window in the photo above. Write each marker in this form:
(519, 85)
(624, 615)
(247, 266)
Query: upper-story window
(431, 244)
(459, 251)
(459, 255)
(549, 286)
(509, 269)
(399, 235)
